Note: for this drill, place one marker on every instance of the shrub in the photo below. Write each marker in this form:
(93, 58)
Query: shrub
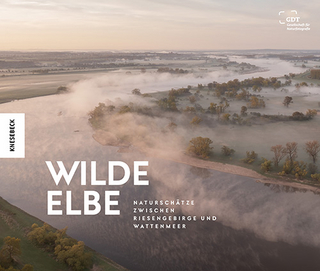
(227, 151)
(299, 170)
(266, 165)
(251, 157)
(316, 177)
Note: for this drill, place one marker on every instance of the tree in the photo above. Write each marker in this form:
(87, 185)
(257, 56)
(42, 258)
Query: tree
(298, 116)
(66, 249)
(287, 100)
(200, 146)
(254, 102)
(276, 85)
(136, 91)
(243, 95)
(279, 152)
(189, 109)
(195, 121)
(5, 260)
(291, 151)
(311, 113)
(12, 247)
(313, 148)
(73, 255)
(96, 116)
(256, 88)
(168, 104)
(243, 110)
(227, 151)
(98, 111)
(172, 106)
(226, 117)
(213, 108)
(43, 236)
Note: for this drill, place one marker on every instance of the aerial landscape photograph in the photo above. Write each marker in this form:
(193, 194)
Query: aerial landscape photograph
(159, 135)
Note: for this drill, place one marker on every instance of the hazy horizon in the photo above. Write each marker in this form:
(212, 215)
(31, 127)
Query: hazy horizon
(157, 50)
(155, 25)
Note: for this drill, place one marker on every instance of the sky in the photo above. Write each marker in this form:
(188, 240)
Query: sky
(156, 24)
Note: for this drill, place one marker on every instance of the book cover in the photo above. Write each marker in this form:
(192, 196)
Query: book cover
(163, 135)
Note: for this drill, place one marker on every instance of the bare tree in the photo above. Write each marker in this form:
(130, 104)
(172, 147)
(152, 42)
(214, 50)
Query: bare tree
(313, 148)
(291, 151)
(279, 152)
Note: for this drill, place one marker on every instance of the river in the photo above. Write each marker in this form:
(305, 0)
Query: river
(257, 227)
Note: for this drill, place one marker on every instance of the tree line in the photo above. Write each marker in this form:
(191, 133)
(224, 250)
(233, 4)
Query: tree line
(66, 250)
(201, 147)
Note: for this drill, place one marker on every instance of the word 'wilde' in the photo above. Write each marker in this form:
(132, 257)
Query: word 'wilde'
(91, 199)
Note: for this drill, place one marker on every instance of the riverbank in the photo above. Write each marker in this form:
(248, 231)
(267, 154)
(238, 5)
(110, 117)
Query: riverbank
(106, 139)
(16, 223)
(232, 169)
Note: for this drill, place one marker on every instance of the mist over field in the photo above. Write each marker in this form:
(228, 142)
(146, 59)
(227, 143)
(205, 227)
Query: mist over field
(113, 85)
(115, 89)
(57, 129)
(276, 67)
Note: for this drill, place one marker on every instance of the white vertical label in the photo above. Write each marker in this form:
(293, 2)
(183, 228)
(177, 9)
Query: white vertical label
(12, 135)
